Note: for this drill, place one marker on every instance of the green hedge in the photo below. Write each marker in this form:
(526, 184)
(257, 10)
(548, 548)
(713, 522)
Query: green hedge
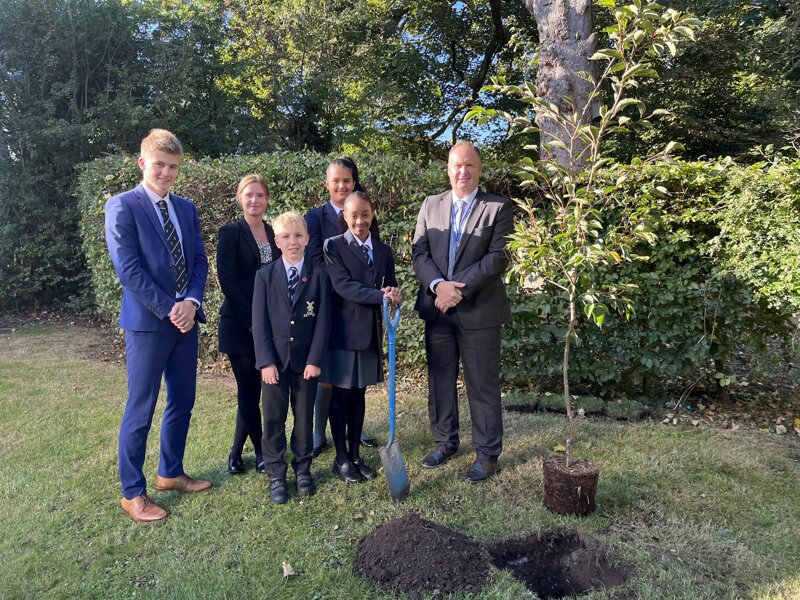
(692, 310)
(397, 184)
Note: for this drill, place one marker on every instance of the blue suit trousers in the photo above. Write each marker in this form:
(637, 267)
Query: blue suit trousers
(151, 355)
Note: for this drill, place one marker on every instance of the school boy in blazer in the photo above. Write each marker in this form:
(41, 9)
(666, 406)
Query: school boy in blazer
(291, 324)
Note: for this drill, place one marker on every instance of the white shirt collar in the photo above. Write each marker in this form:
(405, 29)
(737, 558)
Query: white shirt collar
(367, 242)
(336, 208)
(154, 198)
(468, 198)
(287, 265)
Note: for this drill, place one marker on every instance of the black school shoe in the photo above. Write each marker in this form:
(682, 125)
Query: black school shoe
(366, 471)
(347, 472)
(305, 485)
(319, 449)
(260, 467)
(278, 493)
(368, 442)
(235, 465)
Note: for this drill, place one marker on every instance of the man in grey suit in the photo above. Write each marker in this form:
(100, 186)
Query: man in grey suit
(459, 255)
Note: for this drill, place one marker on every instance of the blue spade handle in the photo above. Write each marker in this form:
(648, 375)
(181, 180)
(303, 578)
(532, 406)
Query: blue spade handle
(391, 331)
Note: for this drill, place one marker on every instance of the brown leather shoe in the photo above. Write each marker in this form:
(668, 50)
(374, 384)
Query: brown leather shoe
(182, 483)
(143, 510)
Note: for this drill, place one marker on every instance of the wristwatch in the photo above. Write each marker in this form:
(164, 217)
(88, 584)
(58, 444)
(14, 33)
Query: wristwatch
(196, 304)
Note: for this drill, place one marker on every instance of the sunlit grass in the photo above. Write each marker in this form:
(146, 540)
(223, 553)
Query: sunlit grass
(698, 513)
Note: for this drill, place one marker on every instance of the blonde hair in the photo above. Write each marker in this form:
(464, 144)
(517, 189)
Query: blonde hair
(161, 140)
(251, 178)
(284, 220)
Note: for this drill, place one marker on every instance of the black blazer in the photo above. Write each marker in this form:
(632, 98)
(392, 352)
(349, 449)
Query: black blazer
(296, 335)
(238, 261)
(322, 223)
(357, 310)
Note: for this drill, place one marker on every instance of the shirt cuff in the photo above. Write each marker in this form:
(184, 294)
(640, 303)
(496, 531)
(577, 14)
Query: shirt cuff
(434, 283)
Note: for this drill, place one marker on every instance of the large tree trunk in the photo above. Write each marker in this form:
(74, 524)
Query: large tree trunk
(566, 41)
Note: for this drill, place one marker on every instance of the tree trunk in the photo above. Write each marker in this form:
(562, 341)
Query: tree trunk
(565, 373)
(566, 41)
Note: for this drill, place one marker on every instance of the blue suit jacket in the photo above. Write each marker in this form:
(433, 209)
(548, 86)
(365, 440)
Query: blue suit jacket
(143, 262)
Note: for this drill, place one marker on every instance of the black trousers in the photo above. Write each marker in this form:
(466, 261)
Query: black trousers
(248, 396)
(293, 390)
(478, 351)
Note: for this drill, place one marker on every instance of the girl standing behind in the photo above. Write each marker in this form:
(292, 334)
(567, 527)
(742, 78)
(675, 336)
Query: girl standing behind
(362, 273)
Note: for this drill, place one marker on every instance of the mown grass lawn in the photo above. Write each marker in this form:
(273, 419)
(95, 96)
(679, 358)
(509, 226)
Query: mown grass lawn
(698, 513)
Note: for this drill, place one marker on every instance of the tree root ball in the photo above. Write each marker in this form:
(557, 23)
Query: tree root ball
(569, 491)
(412, 555)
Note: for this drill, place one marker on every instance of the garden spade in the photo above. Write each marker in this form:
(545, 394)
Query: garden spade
(391, 457)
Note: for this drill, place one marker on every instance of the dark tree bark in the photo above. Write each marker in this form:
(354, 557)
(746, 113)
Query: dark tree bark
(566, 41)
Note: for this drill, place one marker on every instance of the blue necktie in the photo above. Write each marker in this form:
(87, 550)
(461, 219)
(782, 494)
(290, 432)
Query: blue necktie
(174, 243)
(365, 250)
(294, 279)
(455, 236)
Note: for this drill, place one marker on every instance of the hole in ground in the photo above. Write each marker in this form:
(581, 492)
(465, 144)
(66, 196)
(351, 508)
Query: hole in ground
(557, 564)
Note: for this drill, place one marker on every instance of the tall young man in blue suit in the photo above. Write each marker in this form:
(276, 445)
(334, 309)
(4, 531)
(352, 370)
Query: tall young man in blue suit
(157, 251)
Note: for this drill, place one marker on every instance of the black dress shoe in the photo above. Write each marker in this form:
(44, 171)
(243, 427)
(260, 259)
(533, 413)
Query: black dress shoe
(437, 457)
(319, 449)
(277, 490)
(305, 485)
(260, 465)
(366, 471)
(235, 465)
(347, 472)
(369, 442)
(481, 470)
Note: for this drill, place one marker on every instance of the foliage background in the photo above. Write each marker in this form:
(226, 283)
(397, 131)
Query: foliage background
(83, 78)
(701, 295)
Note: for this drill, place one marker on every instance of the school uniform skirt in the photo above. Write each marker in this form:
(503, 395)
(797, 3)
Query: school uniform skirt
(353, 368)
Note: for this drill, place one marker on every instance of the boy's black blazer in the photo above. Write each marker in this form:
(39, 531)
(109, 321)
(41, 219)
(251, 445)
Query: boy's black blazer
(357, 298)
(296, 335)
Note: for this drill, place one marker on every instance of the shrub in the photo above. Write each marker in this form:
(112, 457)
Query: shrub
(692, 310)
(397, 184)
(692, 306)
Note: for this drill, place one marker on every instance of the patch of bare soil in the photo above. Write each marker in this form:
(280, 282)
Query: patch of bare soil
(558, 564)
(413, 555)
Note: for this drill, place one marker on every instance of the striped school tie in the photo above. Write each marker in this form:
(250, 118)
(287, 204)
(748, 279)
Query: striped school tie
(294, 279)
(365, 250)
(174, 243)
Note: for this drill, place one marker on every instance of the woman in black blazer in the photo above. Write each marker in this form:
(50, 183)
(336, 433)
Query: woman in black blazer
(362, 274)
(243, 248)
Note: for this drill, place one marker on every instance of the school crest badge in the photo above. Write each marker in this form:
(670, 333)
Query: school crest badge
(310, 309)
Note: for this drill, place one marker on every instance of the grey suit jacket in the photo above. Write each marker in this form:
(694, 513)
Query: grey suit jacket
(480, 261)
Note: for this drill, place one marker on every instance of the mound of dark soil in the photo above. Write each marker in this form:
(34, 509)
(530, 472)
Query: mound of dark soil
(412, 555)
(558, 564)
